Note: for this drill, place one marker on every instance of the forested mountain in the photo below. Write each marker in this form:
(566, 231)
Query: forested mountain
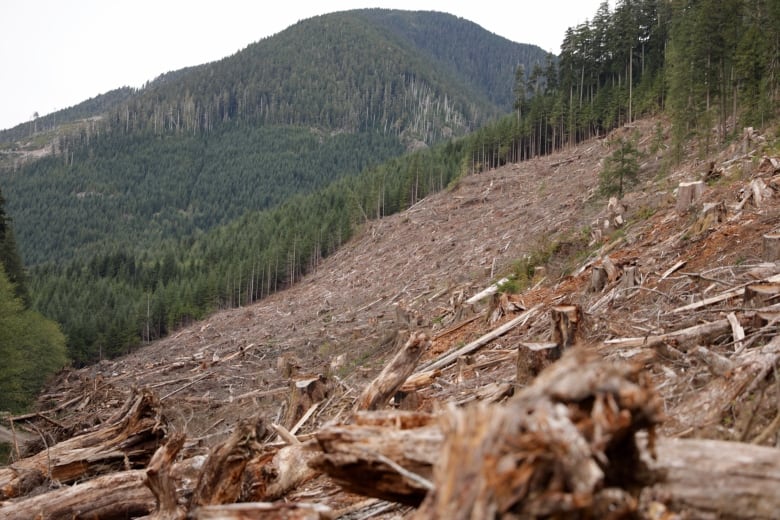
(173, 205)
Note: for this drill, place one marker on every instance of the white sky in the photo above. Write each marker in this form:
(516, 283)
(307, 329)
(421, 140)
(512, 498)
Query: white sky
(57, 53)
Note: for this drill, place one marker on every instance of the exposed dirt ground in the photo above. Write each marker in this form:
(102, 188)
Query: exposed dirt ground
(416, 269)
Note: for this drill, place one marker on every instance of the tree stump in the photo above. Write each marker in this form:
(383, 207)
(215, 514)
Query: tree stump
(759, 295)
(772, 247)
(687, 195)
(598, 279)
(303, 394)
(565, 321)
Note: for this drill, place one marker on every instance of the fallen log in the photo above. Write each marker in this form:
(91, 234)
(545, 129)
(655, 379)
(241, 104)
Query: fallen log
(119, 496)
(126, 442)
(387, 454)
(273, 474)
(570, 445)
(703, 333)
(258, 510)
(395, 373)
(451, 357)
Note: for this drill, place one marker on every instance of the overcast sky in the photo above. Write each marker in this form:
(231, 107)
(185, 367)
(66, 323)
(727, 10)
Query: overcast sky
(57, 53)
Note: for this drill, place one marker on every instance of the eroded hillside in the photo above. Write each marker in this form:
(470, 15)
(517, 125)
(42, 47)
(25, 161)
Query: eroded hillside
(672, 300)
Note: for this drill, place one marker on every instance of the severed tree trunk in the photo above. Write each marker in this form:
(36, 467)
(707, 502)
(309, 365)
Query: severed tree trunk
(127, 441)
(378, 393)
(304, 393)
(687, 195)
(565, 320)
(771, 242)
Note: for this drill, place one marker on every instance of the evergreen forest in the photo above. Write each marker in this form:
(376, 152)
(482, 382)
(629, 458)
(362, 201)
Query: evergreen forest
(217, 185)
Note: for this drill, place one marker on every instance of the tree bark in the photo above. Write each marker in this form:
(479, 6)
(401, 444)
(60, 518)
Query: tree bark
(127, 441)
(378, 393)
(771, 247)
(687, 195)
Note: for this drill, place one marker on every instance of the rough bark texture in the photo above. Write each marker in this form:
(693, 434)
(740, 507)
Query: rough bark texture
(126, 442)
(381, 389)
(119, 496)
(162, 484)
(356, 456)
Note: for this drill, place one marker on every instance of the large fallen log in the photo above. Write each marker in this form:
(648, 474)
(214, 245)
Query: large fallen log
(570, 445)
(126, 442)
(119, 496)
(387, 454)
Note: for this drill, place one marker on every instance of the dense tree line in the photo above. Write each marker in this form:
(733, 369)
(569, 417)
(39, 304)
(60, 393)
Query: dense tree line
(31, 347)
(111, 302)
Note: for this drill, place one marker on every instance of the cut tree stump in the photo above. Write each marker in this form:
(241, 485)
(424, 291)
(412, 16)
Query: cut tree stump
(760, 295)
(565, 320)
(688, 193)
(771, 243)
(598, 279)
(395, 373)
(304, 393)
(271, 475)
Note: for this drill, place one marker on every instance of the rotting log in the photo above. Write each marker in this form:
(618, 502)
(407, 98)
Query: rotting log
(266, 510)
(384, 454)
(127, 441)
(116, 496)
(395, 373)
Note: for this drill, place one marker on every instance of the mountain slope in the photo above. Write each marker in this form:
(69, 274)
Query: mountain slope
(197, 148)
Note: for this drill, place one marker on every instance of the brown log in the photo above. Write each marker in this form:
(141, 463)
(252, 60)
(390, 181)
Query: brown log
(687, 195)
(379, 391)
(127, 441)
(683, 339)
(716, 479)
(161, 483)
(266, 511)
(387, 454)
(119, 496)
